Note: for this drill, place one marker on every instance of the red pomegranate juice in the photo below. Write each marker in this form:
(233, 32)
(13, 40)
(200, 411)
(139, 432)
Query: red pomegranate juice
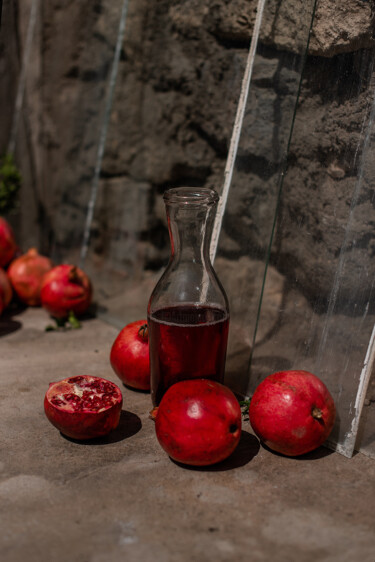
(186, 342)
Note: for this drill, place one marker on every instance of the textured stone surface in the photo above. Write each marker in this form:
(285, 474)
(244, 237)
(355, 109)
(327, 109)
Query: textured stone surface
(122, 498)
(342, 27)
(179, 79)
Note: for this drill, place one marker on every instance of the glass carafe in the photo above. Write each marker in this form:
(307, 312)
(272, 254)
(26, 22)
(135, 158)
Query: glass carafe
(188, 313)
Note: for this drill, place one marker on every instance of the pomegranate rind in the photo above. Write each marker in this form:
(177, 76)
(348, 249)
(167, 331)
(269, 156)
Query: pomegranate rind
(292, 412)
(26, 274)
(5, 288)
(2, 305)
(129, 356)
(8, 246)
(198, 422)
(84, 424)
(66, 288)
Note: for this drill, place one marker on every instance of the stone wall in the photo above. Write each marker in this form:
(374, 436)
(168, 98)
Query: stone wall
(175, 100)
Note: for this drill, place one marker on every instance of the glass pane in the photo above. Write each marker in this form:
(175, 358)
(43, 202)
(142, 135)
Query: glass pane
(20, 64)
(77, 90)
(174, 105)
(366, 433)
(253, 197)
(317, 308)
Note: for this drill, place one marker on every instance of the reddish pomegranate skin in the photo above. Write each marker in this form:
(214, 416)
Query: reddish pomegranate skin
(6, 290)
(130, 355)
(2, 304)
(26, 274)
(83, 407)
(66, 288)
(198, 422)
(292, 412)
(8, 246)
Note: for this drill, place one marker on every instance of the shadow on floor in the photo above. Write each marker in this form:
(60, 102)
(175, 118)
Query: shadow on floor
(318, 453)
(129, 425)
(7, 324)
(247, 449)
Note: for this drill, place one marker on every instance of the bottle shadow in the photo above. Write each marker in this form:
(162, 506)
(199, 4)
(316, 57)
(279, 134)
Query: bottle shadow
(128, 426)
(247, 449)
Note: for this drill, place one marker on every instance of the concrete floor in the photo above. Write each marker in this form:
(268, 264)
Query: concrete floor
(121, 498)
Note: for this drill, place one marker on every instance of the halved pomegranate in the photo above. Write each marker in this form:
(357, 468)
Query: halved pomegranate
(83, 407)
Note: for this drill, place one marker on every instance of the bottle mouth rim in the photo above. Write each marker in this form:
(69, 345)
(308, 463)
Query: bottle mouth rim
(191, 196)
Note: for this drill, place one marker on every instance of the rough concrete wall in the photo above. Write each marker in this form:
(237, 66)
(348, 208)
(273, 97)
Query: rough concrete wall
(176, 95)
(175, 100)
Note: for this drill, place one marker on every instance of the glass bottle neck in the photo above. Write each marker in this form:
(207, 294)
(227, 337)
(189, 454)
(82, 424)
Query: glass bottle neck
(190, 231)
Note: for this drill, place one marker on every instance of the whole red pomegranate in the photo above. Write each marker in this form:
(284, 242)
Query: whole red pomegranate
(83, 407)
(130, 355)
(8, 246)
(292, 412)
(5, 288)
(65, 289)
(198, 422)
(26, 274)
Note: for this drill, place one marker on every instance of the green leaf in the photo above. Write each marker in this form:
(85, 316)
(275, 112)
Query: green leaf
(62, 324)
(244, 405)
(73, 321)
(10, 183)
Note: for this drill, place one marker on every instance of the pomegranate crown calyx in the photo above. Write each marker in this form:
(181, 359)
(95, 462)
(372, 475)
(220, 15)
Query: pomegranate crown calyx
(153, 413)
(317, 413)
(74, 276)
(143, 332)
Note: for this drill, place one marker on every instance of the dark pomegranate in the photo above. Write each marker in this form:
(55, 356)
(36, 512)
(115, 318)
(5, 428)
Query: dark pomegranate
(130, 355)
(26, 274)
(83, 407)
(8, 246)
(5, 288)
(65, 289)
(198, 422)
(292, 412)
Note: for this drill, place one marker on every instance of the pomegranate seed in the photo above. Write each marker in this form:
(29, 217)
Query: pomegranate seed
(93, 384)
(72, 397)
(75, 380)
(57, 402)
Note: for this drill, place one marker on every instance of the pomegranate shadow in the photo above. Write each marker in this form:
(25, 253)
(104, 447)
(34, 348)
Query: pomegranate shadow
(128, 426)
